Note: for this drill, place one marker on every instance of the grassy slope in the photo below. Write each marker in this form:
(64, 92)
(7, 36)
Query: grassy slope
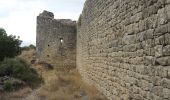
(58, 86)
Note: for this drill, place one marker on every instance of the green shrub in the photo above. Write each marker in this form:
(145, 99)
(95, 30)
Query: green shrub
(18, 68)
(9, 45)
(26, 48)
(8, 85)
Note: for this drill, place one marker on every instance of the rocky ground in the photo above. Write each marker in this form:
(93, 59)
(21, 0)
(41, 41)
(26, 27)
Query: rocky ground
(64, 86)
(57, 85)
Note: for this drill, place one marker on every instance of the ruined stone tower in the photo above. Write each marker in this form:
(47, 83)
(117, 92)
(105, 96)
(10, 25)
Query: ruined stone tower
(123, 47)
(56, 41)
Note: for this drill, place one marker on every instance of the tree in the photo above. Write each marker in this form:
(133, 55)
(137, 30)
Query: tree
(31, 46)
(9, 45)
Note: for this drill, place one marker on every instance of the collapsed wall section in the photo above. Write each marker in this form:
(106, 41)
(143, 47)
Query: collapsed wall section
(123, 48)
(56, 41)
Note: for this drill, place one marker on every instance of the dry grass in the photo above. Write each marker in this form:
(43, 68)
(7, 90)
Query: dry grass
(27, 55)
(25, 91)
(15, 95)
(67, 86)
(57, 86)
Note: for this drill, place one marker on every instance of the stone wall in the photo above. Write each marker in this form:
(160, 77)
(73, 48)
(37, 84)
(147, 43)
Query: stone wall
(123, 48)
(50, 49)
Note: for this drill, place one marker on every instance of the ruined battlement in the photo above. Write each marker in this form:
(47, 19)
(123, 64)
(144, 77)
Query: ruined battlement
(46, 14)
(50, 33)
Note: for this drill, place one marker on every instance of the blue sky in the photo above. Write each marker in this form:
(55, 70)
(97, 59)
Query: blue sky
(18, 17)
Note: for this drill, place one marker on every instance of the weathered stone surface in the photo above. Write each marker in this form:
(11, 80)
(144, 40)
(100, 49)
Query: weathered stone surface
(127, 42)
(162, 16)
(166, 50)
(123, 47)
(167, 39)
(157, 90)
(56, 41)
(158, 50)
(165, 83)
(166, 93)
(164, 61)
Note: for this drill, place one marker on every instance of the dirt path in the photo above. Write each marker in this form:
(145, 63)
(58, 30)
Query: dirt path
(57, 86)
(64, 86)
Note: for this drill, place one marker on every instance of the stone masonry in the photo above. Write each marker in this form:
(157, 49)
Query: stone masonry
(123, 48)
(56, 41)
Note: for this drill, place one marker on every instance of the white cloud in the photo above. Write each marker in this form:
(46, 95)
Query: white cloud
(18, 17)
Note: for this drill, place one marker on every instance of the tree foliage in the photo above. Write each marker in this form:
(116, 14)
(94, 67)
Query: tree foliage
(9, 45)
(20, 69)
(31, 46)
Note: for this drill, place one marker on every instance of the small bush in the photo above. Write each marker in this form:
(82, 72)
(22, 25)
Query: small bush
(8, 85)
(27, 48)
(9, 45)
(18, 68)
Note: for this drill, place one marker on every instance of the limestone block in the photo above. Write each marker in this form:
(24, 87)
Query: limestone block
(137, 97)
(136, 27)
(140, 69)
(152, 10)
(157, 90)
(114, 43)
(141, 25)
(149, 43)
(161, 3)
(165, 83)
(150, 96)
(160, 40)
(161, 71)
(139, 53)
(164, 61)
(167, 11)
(164, 72)
(167, 2)
(129, 48)
(166, 93)
(166, 50)
(148, 60)
(162, 16)
(140, 36)
(149, 34)
(158, 50)
(138, 16)
(146, 85)
(167, 39)
(130, 29)
(161, 30)
(156, 81)
(149, 51)
(168, 69)
(129, 39)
